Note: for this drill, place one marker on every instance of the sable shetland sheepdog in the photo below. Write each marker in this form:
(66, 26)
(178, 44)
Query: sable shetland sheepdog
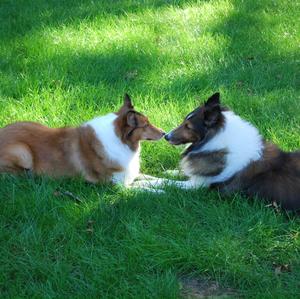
(104, 149)
(228, 153)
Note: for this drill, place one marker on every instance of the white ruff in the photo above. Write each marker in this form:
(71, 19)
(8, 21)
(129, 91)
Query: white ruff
(243, 143)
(115, 149)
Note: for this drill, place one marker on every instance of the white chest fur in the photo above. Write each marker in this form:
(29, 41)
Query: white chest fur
(115, 149)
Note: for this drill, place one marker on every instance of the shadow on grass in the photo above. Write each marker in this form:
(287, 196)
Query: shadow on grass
(114, 73)
(250, 62)
(21, 17)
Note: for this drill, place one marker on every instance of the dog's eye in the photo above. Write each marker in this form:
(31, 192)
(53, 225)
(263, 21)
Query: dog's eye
(187, 126)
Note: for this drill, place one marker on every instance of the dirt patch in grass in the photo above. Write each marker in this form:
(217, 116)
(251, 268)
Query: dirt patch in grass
(204, 288)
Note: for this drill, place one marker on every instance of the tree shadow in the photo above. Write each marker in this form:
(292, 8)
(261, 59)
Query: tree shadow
(18, 18)
(248, 56)
(113, 73)
(115, 70)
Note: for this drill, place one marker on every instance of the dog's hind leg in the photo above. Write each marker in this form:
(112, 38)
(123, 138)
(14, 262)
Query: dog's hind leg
(15, 158)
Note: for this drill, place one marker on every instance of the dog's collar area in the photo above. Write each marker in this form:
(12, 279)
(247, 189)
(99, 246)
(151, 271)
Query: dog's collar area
(195, 146)
(191, 148)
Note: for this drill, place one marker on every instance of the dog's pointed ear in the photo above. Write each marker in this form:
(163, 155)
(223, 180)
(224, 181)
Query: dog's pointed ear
(212, 111)
(213, 100)
(212, 116)
(127, 105)
(127, 101)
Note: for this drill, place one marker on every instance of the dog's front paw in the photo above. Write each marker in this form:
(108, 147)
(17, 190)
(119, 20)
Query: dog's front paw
(151, 190)
(155, 183)
(145, 186)
(142, 177)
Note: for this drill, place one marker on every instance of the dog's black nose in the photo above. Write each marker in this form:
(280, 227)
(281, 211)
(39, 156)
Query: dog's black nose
(167, 137)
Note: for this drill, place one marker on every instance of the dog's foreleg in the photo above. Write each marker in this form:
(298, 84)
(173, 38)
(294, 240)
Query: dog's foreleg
(160, 182)
(150, 183)
(186, 184)
(149, 189)
(143, 176)
(143, 183)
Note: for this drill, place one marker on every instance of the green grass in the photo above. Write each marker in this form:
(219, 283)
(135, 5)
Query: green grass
(63, 62)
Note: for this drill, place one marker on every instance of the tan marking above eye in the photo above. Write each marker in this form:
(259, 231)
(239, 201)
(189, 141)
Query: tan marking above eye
(188, 126)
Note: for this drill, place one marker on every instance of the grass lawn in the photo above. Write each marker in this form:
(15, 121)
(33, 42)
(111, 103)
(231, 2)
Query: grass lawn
(64, 62)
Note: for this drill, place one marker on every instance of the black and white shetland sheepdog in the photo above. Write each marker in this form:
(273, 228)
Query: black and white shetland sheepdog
(228, 153)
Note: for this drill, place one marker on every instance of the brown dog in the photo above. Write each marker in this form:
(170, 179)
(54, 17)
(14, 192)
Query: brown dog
(104, 149)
